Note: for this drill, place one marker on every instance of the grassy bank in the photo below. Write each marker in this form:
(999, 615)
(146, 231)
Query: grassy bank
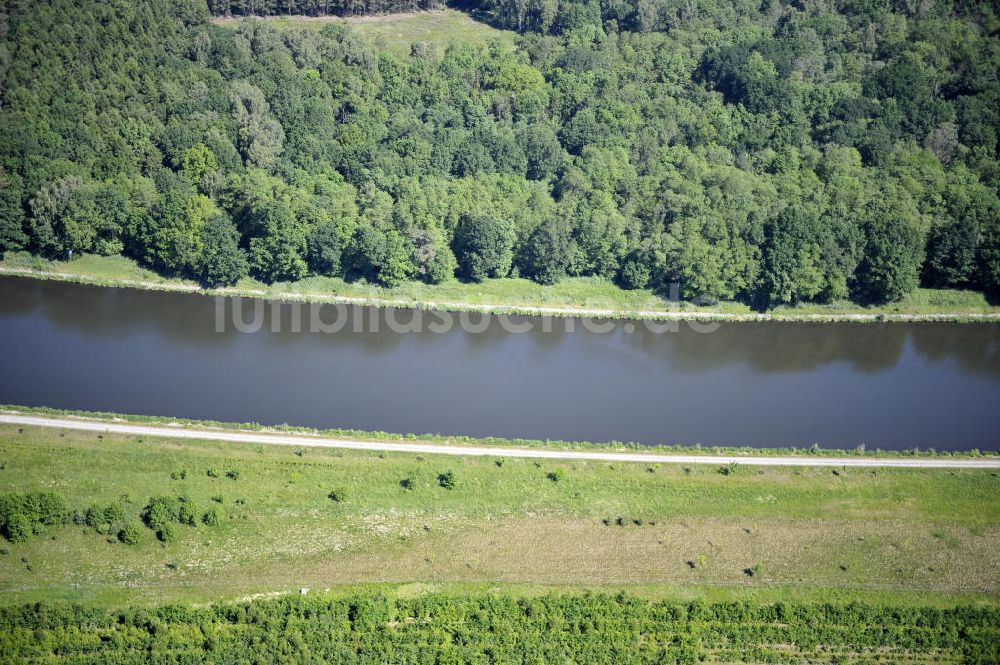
(571, 297)
(810, 535)
(363, 435)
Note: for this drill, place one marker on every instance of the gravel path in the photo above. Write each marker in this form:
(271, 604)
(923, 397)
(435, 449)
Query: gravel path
(313, 441)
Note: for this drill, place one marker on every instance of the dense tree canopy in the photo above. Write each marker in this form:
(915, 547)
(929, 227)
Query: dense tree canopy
(773, 152)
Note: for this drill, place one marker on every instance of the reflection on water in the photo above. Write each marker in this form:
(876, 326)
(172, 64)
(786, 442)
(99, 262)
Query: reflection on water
(763, 384)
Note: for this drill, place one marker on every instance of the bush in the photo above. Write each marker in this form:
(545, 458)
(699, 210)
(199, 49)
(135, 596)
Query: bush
(336, 496)
(447, 480)
(113, 513)
(160, 512)
(131, 533)
(18, 528)
(95, 516)
(188, 514)
(211, 517)
(22, 515)
(556, 476)
(233, 475)
(166, 533)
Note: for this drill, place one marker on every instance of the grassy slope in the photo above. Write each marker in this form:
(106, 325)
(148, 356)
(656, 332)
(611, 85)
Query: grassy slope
(913, 536)
(585, 293)
(396, 32)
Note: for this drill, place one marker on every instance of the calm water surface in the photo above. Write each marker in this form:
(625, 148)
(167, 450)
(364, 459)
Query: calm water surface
(763, 384)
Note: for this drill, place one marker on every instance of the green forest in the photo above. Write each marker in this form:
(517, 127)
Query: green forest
(579, 628)
(767, 152)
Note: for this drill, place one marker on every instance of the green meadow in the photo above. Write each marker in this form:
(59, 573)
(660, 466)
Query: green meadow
(334, 520)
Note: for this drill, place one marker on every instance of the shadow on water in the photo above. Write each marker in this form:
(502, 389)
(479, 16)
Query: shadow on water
(888, 385)
(98, 312)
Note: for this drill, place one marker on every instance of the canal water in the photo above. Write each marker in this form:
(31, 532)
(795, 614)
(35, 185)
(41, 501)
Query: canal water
(889, 386)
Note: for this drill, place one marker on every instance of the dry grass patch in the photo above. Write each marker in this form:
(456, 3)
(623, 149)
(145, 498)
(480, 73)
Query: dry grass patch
(700, 551)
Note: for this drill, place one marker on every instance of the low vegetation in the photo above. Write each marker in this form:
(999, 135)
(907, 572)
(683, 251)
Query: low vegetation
(324, 518)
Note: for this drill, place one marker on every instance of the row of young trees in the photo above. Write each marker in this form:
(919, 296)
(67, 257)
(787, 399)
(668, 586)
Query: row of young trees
(772, 154)
(569, 627)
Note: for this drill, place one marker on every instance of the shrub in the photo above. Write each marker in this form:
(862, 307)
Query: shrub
(166, 533)
(26, 513)
(187, 513)
(95, 516)
(18, 528)
(336, 496)
(113, 513)
(44, 507)
(556, 476)
(212, 473)
(131, 533)
(233, 475)
(160, 512)
(447, 480)
(211, 517)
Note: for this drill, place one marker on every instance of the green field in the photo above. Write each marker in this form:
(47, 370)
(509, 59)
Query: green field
(589, 293)
(396, 32)
(916, 537)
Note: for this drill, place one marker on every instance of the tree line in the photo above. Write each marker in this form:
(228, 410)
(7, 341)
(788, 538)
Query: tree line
(441, 628)
(767, 153)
